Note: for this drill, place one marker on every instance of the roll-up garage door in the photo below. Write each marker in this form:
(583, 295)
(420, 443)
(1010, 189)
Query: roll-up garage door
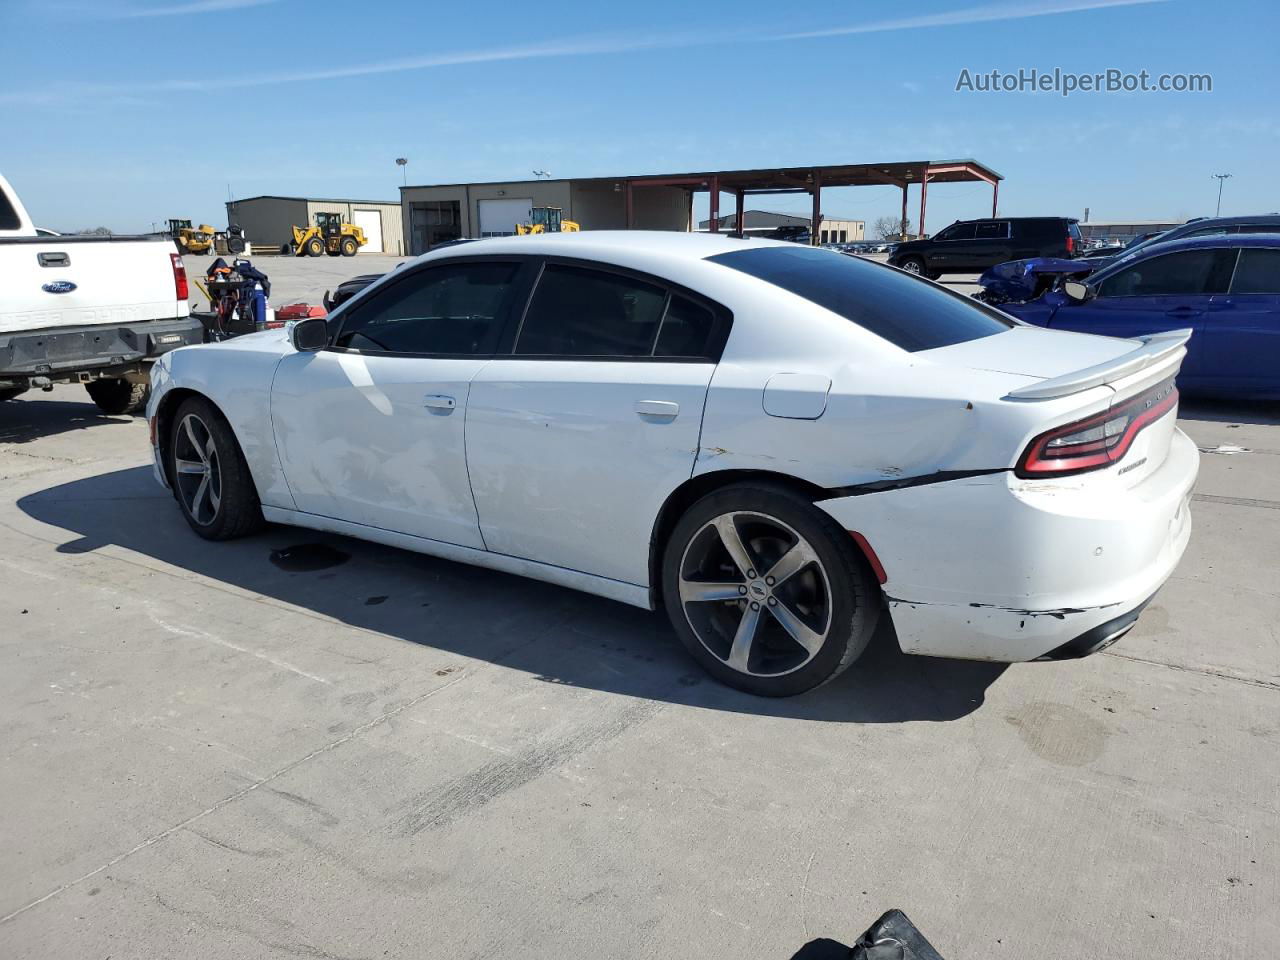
(498, 218)
(370, 221)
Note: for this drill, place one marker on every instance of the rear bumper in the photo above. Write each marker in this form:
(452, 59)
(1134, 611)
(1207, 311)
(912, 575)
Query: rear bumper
(62, 353)
(997, 568)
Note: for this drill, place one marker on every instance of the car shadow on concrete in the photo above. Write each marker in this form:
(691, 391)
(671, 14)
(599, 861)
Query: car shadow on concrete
(1262, 412)
(24, 420)
(554, 634)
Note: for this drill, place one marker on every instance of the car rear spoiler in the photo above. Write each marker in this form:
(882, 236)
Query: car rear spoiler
(1154, 349)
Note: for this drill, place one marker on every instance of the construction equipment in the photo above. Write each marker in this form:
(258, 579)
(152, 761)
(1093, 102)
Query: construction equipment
(191, 239)
(547, 220)
(330, 234)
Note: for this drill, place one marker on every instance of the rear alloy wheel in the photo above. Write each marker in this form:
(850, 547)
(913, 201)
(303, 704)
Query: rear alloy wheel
(117, 396)
(913, 265)
(767, 592)
(210, 478)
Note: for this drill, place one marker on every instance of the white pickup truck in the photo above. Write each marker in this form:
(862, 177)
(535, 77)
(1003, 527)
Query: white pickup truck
(91, 310)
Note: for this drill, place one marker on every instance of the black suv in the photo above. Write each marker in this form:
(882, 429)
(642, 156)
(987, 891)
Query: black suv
(970, 246)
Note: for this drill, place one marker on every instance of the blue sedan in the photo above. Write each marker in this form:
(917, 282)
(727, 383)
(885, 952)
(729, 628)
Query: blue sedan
(1225, 288)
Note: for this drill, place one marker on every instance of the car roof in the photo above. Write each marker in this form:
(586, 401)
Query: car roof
(589, 243)
(1216, 240)
(1203, 222)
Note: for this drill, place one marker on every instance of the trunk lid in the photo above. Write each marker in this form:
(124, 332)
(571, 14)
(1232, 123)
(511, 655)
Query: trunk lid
(1070, 377)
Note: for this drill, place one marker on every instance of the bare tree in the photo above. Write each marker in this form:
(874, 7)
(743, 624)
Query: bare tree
(891, 228)
(94, 232)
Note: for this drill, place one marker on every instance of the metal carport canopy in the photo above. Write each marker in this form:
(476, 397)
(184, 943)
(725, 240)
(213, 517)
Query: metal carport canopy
(811, 180)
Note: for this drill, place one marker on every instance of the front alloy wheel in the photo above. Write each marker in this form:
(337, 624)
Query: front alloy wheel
(766, 591)
(210, 478)
(197, 474)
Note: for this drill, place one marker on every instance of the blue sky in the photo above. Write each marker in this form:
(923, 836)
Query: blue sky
(107, 123)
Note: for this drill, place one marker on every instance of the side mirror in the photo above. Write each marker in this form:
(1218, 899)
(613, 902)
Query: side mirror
(309, 335)
(1077, 291)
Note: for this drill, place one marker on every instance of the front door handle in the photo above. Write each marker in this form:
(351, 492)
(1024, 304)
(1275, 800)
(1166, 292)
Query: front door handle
(658, 409)
(439, 401)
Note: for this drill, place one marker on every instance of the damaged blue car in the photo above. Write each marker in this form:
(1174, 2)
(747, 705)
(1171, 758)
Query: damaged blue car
(1224, 288)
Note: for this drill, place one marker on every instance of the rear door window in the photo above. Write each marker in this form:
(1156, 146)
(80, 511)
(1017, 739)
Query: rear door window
(580, 312)
(910, 313)
(688, 330)
(1185, 273)
(957, 231)
(8, 215)
(993, 231)
(1257, 272)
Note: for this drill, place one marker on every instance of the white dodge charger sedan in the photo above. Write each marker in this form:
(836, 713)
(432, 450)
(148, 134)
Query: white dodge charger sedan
(778, 444)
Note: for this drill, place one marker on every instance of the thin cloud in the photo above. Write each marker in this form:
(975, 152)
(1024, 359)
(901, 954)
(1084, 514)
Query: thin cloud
(572, 47)
(966, 15)
(104, 11)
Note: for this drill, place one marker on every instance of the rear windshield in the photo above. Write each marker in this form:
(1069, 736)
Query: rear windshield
(8, 215)
(908, 312)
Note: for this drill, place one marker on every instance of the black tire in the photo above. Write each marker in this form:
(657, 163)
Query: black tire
(314, 247)
(914, 265)
(834, 588)
(117, 397)
(349, 246)
(227, 506)
(11, 393)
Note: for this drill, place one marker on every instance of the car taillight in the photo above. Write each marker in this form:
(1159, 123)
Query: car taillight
(180, 288)
(1097, 441)
(1071, 244)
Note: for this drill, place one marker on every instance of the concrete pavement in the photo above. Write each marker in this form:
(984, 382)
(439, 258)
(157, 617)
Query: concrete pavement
(302, 745)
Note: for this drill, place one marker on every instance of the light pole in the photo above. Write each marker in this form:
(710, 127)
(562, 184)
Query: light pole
(1220, 177)
(403, 164)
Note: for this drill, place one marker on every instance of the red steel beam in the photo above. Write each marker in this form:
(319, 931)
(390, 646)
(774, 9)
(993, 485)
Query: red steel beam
(817, 208)
(924, 198)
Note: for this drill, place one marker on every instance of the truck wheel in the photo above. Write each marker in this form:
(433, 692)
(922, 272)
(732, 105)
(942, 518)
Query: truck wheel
(10, 393)
(913, 265)
(314, 247)
(349, 246)
(211, 480)
(115, 396)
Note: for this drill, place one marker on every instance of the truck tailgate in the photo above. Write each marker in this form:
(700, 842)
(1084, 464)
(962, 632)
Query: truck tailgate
(55, 282)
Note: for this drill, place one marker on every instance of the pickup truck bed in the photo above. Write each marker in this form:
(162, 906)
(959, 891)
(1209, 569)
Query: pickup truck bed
(87, 309)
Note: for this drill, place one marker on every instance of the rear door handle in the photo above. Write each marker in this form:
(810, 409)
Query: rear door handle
(439, 401)
(665, 409)
(53, 259)
(1183, 311)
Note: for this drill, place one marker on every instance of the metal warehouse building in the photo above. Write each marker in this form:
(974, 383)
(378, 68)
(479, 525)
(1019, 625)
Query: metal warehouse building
(268, 221)
(766, 221)
(438, 213)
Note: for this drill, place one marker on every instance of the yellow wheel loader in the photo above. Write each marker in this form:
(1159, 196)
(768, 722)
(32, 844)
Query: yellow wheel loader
(191, 239)
(547, 220)
(328, 235)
